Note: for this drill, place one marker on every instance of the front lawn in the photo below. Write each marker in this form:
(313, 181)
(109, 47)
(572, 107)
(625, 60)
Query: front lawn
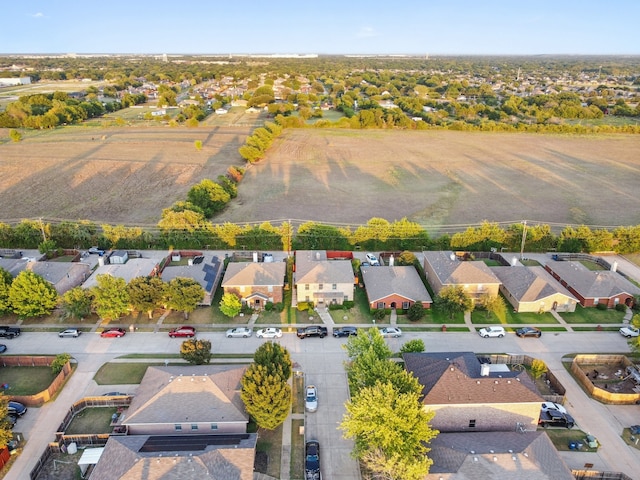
(511, 317)
(593, 315)
(121, 373)
(562, 437)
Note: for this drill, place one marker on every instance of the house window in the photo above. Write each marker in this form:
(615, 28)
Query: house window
(306, 286)
(320, 286)
(194, 426)
(270, 288)
(480, 287)
(306, 299)
(596, 301)
(380, 305)
(405, 305)
(334, 286)
(616, 301)
(472, 424)
(214, 426)
(177, 427)
(242, 289)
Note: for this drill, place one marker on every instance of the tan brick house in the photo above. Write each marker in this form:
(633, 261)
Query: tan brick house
(255, 283)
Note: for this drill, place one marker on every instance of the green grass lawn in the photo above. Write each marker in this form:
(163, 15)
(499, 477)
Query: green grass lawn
(561, 437)
(593, 315)
(92, 420)
(270, 442)
(632, 440)
(297, 450)
(297, 394)
(26, 380)
(510, 317)
(121, 373)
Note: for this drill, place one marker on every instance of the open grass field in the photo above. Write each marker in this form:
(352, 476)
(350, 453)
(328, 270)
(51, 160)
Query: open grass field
(129, 174)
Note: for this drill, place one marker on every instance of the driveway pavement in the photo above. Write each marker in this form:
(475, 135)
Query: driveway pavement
(322, 362)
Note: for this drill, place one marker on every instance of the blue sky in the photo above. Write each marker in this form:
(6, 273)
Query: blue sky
(480, 27)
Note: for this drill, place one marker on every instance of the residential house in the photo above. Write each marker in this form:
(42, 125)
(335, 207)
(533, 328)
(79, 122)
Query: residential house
(591, 287)
(134, 267)
(468, 396)
(495, 456)
(187, 423)
(445, 269)
(63, 276)
(322, 281)
(255, 283)
(533, 289)
(204, 269)
(394, 287)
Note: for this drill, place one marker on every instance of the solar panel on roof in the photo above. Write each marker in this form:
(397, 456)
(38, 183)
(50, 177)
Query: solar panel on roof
(184, 443)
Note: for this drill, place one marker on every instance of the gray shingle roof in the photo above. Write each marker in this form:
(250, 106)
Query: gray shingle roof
(593, 284)
(380, 282)
(455, 272)
(496, 456)
(529, 284)
(312, 266)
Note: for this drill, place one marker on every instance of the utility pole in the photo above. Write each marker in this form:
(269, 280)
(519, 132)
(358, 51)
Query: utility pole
(44, 236)
(524, 237)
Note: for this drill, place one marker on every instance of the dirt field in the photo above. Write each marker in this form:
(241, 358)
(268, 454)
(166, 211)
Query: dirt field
(128, 175)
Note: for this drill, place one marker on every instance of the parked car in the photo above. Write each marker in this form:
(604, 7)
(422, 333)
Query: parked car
(184, 331)
(115, 394)
(591, 441)
(3, 348)
(491, 332)
(312, 331)
(9, 332)
(243, 332)
(529, 332)
(113, 332)
(270, 332)
(634, 429)
(372, 259)
(70, 332)
(629, 331)
(96, 251)
(345, 332)
(546, 406)
(390, 332)
(554, 418)
(312, 460)
(311, 399)
(16, 408)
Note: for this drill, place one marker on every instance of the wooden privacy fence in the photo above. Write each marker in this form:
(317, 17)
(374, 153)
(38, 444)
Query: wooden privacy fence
(596, 392)
(38, 399)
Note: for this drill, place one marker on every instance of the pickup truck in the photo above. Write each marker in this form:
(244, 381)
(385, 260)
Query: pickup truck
(555, 418)
(312, 331)
(9, 332)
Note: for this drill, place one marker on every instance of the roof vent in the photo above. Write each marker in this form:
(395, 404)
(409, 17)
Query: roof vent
(526, 454)
(472, 451)
(452, 256)
(509, 381)
(491, 451)
(478, 382)
(475, 459)
(495, 459)
(513, 457)
(495, 381)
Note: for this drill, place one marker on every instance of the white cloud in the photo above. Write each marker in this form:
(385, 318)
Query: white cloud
(366, 32)
(38, 15)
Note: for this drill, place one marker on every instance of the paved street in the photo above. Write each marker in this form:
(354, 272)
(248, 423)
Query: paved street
(322, 362)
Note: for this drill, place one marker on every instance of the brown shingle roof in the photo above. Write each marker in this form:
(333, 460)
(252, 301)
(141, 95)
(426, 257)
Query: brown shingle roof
(455, 272)
(254, 274)
(529, 284)
(454, 378)
(380, 282)
(593, 284)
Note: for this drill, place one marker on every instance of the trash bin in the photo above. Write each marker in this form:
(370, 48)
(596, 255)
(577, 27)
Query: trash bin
(573, 445)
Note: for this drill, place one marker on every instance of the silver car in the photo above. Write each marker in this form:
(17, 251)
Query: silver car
(69, 332)
(239, 332)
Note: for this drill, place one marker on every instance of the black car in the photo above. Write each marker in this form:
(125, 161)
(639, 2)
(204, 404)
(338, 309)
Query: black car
(555, 418)
(345, 332)
(9, 332)
(529, 332)
(312, 461)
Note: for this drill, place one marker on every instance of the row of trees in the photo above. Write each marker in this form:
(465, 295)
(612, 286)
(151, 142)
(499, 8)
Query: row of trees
(58, 108)
(259, 141)
(184, 225)
(30, 295)
(385, 416)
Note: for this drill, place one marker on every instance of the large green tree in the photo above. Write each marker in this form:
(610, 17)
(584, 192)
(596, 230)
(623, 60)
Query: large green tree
(230, 304)
(31, 295)
(275, 358)
(209, 196)
(266, 396)
(453, 299)
(366, 340)
(196, 352)
(146, 294)
(5, 285)
(76, 303)
(392, 428)
(183, 295)
(110, 297)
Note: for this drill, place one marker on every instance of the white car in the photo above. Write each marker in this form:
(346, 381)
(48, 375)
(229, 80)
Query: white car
(629, 332)
(242, 332)
(546, 406)
(311, 399)
(491, 332)
(372, 259)
(270, 332)
(390, 332)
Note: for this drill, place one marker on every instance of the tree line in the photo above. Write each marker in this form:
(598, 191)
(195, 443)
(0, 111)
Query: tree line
(30, 295)
(186, 226)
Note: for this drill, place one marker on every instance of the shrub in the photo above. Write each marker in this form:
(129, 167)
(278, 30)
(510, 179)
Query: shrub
(269, 306)
(538, 368)
(303, 306)
(348, 304)
(621, 307)
(601, 306)
(59, 362)
(379, 314)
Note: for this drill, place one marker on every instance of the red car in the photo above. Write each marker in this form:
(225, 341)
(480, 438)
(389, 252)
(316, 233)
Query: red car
(113, 332)
(184, 331)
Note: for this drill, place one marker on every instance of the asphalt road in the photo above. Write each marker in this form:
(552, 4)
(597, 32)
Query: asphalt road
(321, 360)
